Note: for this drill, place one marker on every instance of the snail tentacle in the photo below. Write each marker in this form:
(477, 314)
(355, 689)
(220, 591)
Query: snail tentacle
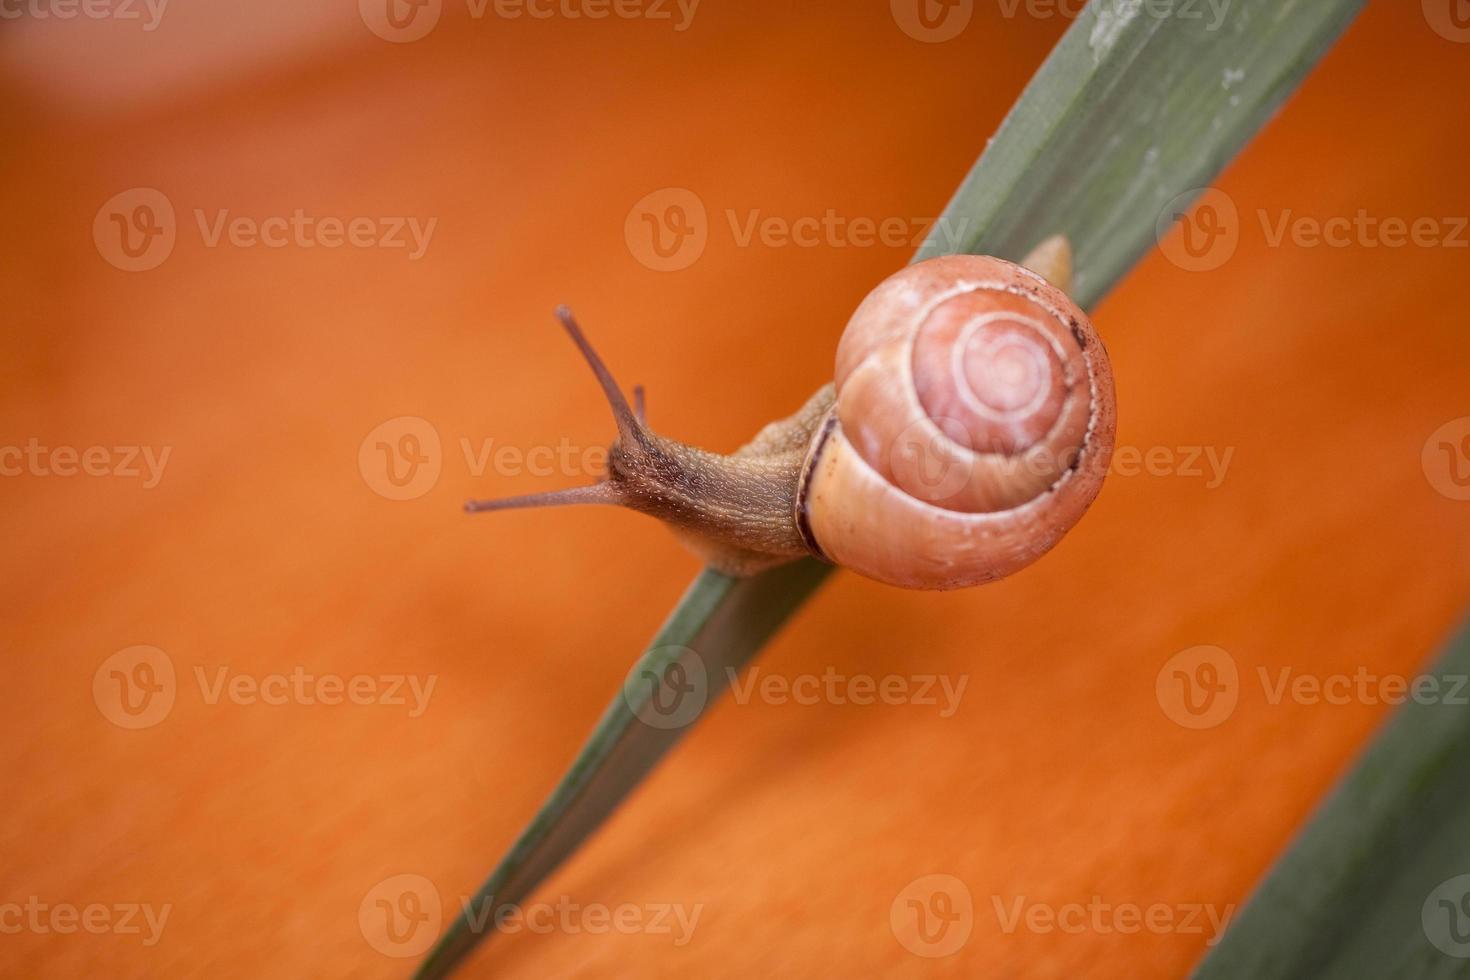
(736, 511)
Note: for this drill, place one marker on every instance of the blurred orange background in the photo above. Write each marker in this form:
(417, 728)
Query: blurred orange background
(1331, 545)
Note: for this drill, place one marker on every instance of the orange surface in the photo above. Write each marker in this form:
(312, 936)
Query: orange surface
(794, 828)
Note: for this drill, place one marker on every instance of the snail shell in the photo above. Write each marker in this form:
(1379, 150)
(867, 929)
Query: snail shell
(973, 425)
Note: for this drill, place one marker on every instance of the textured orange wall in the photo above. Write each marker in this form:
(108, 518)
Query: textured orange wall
(795, 828)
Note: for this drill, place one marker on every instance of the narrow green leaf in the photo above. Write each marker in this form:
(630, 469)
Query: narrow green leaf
(1138, 104)
(1378, 884)
(1131, 110)
(727, 621)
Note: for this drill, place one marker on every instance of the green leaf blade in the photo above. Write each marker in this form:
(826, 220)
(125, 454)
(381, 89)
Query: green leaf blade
(728, 621)
(1170, 100)
(1349, 897)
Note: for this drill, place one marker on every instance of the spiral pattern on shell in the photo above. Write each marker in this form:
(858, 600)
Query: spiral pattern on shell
(973, 426)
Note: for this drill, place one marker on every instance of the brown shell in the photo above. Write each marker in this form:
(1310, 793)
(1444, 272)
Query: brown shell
(973, 426)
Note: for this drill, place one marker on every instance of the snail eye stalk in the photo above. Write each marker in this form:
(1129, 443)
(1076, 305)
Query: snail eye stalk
(632, 434)
(630, 425)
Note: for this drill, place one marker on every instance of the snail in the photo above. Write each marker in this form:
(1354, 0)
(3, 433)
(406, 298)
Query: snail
(968, 427)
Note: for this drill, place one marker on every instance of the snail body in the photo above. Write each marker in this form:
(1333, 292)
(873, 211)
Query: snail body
(968, 427)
